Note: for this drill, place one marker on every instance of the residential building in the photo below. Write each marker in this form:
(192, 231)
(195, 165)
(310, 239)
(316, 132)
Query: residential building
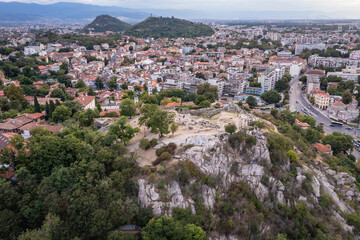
(313, 79)
(269, 77)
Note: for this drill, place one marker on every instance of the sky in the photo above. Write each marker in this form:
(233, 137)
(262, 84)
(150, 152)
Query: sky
(345, 8)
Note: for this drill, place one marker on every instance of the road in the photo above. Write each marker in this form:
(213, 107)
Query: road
(298, 101)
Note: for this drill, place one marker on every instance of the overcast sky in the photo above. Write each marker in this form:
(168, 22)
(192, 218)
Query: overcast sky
(343, 7)
(325, 5)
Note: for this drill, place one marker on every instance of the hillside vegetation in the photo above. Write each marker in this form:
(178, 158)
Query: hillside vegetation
(105, 23)
(154, 27)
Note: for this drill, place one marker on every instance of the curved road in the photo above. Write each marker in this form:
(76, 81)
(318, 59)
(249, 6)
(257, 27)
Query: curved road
(298, 102)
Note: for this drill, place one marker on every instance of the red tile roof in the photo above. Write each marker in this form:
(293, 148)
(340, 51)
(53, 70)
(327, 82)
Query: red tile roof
(321, 147)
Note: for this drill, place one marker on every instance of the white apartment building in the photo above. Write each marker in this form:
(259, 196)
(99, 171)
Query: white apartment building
(299, 48)
(295, 69)
(351, 73)
(269, 77)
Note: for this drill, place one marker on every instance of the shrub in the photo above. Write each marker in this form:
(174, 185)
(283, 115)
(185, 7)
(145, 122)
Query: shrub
(171, 147)
(159, 151)
(144, 143)
(231, 128)
(164, 156)
(258, 124)
(153, 142)
(236, 139)
(250, 140)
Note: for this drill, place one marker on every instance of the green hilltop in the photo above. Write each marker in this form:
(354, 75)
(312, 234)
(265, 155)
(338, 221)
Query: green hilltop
(105, 23)
(159, 27)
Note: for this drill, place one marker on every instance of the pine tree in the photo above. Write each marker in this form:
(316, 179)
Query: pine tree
(47, 111)
(37, 105)
(52, 107)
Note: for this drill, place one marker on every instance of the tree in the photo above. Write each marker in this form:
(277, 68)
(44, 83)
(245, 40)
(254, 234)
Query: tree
(303, 79)
(37, 105)
(127, 107)
(113, 84)
(123, 130)
(346, 98)
(99, 83)
(173, 127)
(231, 128)
(58, 93)
(251, 101)
(61, 114)
(205, 104)
(160, 121)
(80, 84)
(210, 92)
(86, 118)
(14, 93)
(167, 228)
(271, 97)
(339, 142)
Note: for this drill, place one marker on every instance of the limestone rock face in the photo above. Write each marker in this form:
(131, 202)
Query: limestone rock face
(214, 157)
(149, 197)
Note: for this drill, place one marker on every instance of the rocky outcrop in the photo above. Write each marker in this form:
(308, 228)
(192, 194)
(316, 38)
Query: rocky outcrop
(149, 197)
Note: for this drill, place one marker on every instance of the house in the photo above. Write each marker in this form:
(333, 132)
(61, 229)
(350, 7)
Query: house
(87, 102)
(26, 129)
(321, 148)
(301, 124)
(14, 125)
(342, 112)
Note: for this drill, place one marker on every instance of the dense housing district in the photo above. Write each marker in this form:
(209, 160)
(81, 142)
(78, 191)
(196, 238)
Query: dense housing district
(248, 132)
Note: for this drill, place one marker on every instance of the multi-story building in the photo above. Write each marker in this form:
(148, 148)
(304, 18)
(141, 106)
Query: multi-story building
(351, 73)
(322, 100)
(269, 77)
(313, 79)
(299, 48)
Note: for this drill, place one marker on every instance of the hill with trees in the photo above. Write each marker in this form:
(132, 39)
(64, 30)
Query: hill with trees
(157, 27)
(105, 23)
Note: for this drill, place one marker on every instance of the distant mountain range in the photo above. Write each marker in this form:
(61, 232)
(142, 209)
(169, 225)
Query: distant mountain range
(18, 12)
(62, 12)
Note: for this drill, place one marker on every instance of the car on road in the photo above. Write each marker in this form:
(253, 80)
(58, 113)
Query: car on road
(321, 123)
(332, 125)
(349, 128)
(297, 101)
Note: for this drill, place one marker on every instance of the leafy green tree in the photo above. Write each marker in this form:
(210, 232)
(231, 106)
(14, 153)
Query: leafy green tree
(210, 92)
(231, 128)
(160, 121)
(271, 96)
(86, 118)
(61, 113)
(166, 228)
(119, 235)
(58, 93)
(346, 98)
(205, 104)
(251, 101)
(113, 84)
(123, 130)
(127, 107)
(99, 83)
(80, 84)
(173, 127)
(339, 142)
